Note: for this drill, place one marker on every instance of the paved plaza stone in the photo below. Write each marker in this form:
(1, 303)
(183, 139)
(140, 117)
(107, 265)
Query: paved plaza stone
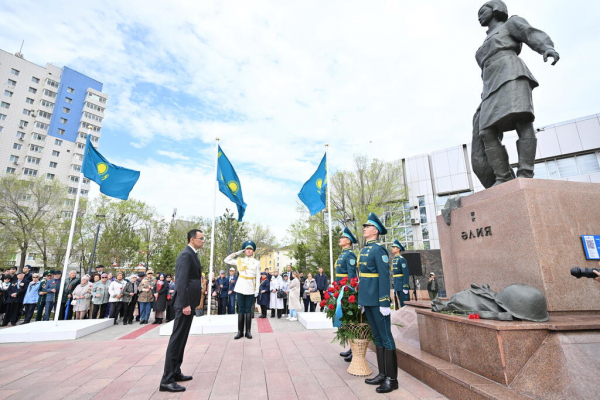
(127, 362)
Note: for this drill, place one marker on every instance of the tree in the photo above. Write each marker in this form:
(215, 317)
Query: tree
(265, 241)
(373, 186)
(26, 207)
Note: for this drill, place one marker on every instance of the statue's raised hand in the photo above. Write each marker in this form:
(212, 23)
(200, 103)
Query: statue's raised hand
(551, 53)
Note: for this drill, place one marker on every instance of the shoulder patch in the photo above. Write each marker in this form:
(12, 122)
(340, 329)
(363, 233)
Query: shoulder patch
(352, 261)
(385, 258)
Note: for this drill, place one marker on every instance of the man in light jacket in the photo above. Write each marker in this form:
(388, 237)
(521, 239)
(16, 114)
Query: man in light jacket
(31, 298)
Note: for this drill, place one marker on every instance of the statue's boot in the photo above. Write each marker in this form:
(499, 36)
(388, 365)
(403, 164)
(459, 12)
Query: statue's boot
(526, 148)
(498, 159)
(378, 380)
(391, 372)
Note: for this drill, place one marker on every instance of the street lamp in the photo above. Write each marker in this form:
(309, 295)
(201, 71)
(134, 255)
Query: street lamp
(99, 217)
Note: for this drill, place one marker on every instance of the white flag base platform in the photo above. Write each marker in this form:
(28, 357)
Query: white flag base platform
(315, 320)
(206, 324)
(48, 330)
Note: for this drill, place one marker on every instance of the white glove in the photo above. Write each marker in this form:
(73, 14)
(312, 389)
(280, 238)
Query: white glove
(256, 294)
(405, 291)
(385, 311)
(362, 309)
(239, 252)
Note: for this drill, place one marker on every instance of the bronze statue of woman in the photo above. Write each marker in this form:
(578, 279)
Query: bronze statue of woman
(506, 102)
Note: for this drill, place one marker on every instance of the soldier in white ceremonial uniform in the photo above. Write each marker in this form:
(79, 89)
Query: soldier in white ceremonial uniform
(247, 285)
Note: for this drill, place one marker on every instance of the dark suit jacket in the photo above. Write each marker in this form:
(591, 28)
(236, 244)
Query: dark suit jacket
(223, 290)
(188, 282)
(232, 283)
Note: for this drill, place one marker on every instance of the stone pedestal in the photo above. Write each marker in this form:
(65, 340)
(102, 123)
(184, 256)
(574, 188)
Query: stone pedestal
(525, 231)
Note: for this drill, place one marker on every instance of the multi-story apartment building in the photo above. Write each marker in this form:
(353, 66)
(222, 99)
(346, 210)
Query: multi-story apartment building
(45, 115)
(565, 151)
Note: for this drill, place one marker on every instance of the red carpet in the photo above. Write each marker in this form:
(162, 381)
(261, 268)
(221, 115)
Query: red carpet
(264, 326)
(138, 332)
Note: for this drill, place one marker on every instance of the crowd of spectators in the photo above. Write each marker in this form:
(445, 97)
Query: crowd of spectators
(101, 295)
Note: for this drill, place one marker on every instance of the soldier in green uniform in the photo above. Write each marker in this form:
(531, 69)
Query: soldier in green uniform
(345, 267)
(400, 273)
(374, 298)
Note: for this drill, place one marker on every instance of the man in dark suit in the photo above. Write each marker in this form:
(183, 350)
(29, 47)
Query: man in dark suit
(222, 289)
(14, 301)
(187, 297)
(231, 294)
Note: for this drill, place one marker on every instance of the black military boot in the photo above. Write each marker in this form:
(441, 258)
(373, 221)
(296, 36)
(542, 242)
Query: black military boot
(240, 327)
(349, 358)
(391, 372)
(526, 149)
(498, 160)
(248, 325)
(381, 366)
(346, 353)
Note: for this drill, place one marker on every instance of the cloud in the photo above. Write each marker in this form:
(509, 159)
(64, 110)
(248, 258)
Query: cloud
(276, 81)
(173, 155)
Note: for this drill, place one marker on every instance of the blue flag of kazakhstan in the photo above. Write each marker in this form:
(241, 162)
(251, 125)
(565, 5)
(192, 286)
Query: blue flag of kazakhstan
(229, 183)
(314, 191)
(114, 181)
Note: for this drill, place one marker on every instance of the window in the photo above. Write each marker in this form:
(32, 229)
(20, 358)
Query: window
(10, 82)
(53, 164)
(73, 179)
(30, 172)
(58, 142)
(92, 116)
(76, 168)
(17, 146)
(1, 128)
(66, 110)
(38, 136)
(46, 103)
(567, 167)
(68, 214)
(32, 90)
(422, 209)
(32, 160)
(94, 139)
(94, 107)
(55, 153)
(14, 159)
(35, 80)
(90, 126)
(51, 83)
(32, 256)
(400, 225)
(69, 202)
(80, 145)
(21, 135)
(61, 131)
(63, 121)
(83, 135)
(68, 100)
(86, 181)
(50, 176)
(72, 190)
(5, 105)
(35, 148)
(84, 193)
(70, 90)
(96, 97)
(23, 124)
(588, 164)
(2, 117)
(29, 100)
(26, 112)
(49, 93)
(14, 72)
(8, 93)
(45, 114)
(78, 156)
(10, 170)
(41, 125)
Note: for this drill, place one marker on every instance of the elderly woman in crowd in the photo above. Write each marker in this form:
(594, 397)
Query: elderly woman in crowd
(160, 298)
(294, 297)
(276, 302)
(310, 286)
(81, 297)
(116, 296)
(100, 296)
(145, 299)
(264, 295)
(129, 292)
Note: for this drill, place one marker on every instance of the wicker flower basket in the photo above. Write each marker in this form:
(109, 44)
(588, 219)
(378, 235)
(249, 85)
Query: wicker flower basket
(359, 365)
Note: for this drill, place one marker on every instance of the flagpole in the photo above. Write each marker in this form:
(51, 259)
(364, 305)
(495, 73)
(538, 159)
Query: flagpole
(69, 245)
(212, 231)
(329, 212)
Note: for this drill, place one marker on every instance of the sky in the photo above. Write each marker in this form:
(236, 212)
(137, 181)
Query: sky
(276, 81)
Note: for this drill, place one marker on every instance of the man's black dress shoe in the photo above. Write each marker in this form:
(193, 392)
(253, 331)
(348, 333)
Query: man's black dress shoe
(183, 378)
(171, 387)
